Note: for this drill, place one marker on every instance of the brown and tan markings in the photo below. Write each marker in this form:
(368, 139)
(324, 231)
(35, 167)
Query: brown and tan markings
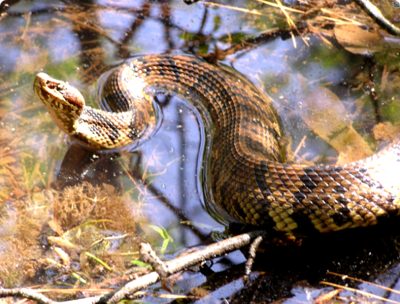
(247, 178)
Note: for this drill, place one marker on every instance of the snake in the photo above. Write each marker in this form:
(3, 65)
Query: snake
(248, 177)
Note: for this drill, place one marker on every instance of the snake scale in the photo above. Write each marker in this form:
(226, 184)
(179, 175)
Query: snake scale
(246, 175)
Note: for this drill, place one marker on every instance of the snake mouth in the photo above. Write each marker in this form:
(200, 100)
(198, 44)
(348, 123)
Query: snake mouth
(64, 102)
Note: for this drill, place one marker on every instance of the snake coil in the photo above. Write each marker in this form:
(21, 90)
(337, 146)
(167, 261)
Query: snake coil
(246, 175)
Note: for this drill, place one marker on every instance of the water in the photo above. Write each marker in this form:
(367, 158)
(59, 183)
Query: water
(113, 201)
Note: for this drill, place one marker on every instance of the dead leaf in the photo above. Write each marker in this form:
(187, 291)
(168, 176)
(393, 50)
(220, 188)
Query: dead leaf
(358, 40)
(326, 116)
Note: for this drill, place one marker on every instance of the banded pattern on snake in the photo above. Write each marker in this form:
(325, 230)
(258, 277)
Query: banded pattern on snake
(246, 175)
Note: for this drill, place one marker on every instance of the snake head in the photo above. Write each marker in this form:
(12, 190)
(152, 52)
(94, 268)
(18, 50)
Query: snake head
(64, 102)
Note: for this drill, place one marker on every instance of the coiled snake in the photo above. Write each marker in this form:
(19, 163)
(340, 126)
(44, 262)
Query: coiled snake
(246, 176)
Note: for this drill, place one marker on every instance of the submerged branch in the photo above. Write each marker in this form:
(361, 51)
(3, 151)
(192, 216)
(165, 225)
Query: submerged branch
(375, 13)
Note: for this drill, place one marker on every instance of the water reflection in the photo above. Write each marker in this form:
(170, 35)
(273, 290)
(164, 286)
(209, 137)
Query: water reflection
(162, 174)
(157, 185)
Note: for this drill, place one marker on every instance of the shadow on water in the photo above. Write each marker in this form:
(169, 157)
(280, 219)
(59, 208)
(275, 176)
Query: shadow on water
(62, 204)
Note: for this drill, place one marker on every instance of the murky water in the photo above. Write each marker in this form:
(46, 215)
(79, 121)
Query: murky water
(61, 204)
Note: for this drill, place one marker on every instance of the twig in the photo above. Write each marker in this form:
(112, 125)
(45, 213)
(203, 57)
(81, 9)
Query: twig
(252, 255)
(251, 43)
(172, 266)
(291, 24)
(364, 293)
(299, 146)
(25, 293)
(178, 264)
(375, 13)
(141, 15)
(148, 255)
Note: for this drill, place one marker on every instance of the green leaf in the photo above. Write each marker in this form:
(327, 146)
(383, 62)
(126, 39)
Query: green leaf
(98, 261)
(141, 264)
(164, 234)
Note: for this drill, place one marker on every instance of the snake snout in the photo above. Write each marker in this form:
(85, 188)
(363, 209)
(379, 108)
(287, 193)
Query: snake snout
(64, 102)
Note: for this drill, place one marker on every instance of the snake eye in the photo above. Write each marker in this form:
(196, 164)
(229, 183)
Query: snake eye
(51, 84)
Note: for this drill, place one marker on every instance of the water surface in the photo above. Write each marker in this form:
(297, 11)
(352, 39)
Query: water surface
(104, 204)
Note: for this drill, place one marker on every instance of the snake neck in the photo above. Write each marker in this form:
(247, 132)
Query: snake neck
(129, 113)
(107, 130)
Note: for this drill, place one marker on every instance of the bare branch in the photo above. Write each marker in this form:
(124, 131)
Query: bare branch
(25, 293)
(211, 251)
(376, 14)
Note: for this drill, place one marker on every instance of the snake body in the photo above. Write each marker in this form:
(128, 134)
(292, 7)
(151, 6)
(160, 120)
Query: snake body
(246, 175)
